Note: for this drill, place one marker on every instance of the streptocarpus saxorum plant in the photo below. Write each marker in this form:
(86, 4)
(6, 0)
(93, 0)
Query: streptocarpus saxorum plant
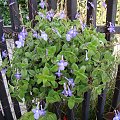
(56, 61)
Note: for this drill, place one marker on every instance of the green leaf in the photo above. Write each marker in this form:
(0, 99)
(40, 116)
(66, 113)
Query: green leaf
(35, 90)
(74, 66)
(27, 116)
(54, 68)
(51, 51)
(53, 96)
(28, 54)
(78, 100)
(45, 71)
(24, 73)
(71, 102)
(82, 69)
(49, 116)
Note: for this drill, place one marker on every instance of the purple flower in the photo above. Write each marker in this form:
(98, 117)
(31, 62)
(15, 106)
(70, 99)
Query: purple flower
(27, 17)
(44, 35)
(62, 64)
(21, 36)
(62, 15)
(56, 31)
(66, 92)
(83, 25)
(68, 37)
(42, 111)
(17, 75)
(49, 15)
(92, 5)
(42, 4)
(36, 35)
(70, 82)
(58, 73)
(38, 113)
(117, 115)
(104, 4)
(19, 43)
(71, 34)
(111, 27)
(86, 56)
(1, 20)
(3, 37)
(4, 54)
(77, 15)
(69, 91)
(4, 70)
(41, 15)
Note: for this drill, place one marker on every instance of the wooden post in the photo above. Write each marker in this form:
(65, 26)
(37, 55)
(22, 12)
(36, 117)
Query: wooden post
(71, 9)
(32, 6)
(111, 15)
(91, 12)
(116, 96)
(91, 20)
(3, 94)
(15, 21)
(52, 4)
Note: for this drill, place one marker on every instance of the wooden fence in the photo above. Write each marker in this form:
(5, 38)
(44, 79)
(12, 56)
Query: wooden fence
(6, 113)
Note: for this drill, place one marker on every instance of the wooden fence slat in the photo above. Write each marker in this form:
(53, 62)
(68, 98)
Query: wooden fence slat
(102, 29)
(3, 94)
(101, 104)
(1, 115)
(116, 96)
(86, 105)
(71, 9)
(4, 100)
(91, 19)
(111, 15)
(32, 6)
(91, 12)
(14, 14)
(52, 4)
(71, 13)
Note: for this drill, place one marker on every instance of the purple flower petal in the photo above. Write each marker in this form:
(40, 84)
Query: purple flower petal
(36, 115)
(56, 31)
(42, 4)
(4, 54)
(68, 37)
(41, 15)
(44, 35)
(3, 37)
(77, 15)
(62, 15)
(69, 91)
(17, 75)
(104, 5)
(49, 15)
(58, 73)
(111, 27)
(4, 70)
(71, 34)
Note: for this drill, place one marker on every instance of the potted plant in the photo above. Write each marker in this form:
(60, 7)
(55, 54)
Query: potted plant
(57, 61)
